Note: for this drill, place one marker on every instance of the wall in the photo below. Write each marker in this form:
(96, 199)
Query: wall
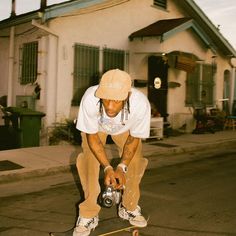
(109, 26)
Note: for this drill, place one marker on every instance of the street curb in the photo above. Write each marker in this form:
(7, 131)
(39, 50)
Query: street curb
(156, 159)
(179, 150)
(13, 177)
(171, 158)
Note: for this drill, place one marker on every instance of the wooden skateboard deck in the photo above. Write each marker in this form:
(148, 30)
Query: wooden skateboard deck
(113, 227)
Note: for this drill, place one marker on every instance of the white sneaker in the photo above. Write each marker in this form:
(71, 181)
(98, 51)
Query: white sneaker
(84, 225)
(134, 217)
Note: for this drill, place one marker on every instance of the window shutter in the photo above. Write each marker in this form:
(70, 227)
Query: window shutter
(29, 63)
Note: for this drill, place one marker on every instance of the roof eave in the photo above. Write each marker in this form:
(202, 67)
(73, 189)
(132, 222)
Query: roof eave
(189, 24)
(21, 19)
(63, 8)
(226, 47)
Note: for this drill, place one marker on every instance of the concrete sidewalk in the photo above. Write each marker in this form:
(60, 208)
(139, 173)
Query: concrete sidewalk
(47, 160)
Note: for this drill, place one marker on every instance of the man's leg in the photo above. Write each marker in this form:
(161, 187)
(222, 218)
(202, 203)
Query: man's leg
(134, 175)
(88, 168)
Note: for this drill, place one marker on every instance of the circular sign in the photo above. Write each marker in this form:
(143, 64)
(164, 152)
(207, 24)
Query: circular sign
(157, 83)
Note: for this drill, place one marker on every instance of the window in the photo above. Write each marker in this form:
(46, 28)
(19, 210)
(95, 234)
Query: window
(200, 85)
(28, 62)
(160, 3)
(113, 59)
(86, 70)
(86, 67)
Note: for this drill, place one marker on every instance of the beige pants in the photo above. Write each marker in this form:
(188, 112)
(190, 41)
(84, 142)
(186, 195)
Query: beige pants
(88, 168)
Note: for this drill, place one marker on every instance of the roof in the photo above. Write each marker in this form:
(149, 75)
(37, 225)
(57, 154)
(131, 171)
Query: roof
(195, 12)
(158, 28)
(168, 27)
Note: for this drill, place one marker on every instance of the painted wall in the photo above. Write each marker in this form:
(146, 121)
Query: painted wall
(108, 26)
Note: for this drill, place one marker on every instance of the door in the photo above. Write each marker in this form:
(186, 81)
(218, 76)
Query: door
(158, 68)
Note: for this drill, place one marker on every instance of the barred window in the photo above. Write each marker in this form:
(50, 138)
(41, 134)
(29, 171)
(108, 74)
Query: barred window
(160, 3)
(113, 59)
(200, 85)
(86, 70)
(28, 62)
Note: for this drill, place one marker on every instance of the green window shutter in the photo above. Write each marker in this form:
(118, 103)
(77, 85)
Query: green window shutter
(86, 70)
(29, 63)
(208, 84)
(193, 87)
(113, 59)
(200, 86)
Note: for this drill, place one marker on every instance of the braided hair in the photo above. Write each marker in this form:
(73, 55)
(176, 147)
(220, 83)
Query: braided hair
(124, 112)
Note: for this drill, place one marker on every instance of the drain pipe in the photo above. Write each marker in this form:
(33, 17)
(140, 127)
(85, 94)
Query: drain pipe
(44, 28)
(51, 78)
(11, 57)
(11, 67)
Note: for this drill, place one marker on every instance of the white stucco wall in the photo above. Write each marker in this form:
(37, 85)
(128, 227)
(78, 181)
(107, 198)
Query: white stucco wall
(109, 26)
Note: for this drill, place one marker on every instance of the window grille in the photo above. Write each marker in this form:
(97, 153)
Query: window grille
(160, 3)
(28, 63)
(200, 85)
(113, 59)
(86, 70)
(193, 87)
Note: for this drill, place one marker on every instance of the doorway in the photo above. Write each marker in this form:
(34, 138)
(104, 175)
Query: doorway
(158, 68)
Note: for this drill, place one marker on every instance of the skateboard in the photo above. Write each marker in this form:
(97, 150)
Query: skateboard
(108, 227)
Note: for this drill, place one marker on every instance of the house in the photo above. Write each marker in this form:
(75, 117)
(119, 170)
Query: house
(174, 53)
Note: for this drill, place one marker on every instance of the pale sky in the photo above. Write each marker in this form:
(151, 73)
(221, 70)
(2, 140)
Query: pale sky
(220, 12)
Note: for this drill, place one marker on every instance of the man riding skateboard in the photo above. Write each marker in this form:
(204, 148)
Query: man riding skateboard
(112, 108)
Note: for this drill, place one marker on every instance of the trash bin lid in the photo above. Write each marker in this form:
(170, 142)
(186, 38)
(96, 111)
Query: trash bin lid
(20, 111)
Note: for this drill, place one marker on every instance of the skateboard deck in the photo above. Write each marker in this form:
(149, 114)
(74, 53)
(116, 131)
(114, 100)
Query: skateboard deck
(113, 227)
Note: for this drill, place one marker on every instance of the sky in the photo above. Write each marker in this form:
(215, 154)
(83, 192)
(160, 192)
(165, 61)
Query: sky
(222, 13)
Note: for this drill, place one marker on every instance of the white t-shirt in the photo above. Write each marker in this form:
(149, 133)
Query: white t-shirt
(138, 122)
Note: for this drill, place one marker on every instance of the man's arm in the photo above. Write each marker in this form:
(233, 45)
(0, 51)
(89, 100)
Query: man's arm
(98, 150)
(129, 150)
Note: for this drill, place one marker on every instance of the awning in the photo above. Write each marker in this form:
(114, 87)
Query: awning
(159, 28)
(182, 60)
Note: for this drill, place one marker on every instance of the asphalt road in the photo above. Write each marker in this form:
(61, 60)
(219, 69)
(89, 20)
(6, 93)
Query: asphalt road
(191, 198)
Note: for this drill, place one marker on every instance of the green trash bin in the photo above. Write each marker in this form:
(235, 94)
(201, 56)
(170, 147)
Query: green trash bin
(27, 124)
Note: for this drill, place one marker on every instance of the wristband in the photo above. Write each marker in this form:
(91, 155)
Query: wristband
(123, 167)
(107, 167)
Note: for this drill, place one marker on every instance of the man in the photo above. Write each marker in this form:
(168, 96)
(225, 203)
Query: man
(112, 108)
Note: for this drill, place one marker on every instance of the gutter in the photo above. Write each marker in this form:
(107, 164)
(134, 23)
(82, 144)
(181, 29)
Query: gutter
(18, 20)
(211, 26)
(52, 73)
(11, 67)
(44, 28)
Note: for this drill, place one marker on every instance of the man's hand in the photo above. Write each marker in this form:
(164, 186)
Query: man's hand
(115, 178)
(109, 178)
(120, 178)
